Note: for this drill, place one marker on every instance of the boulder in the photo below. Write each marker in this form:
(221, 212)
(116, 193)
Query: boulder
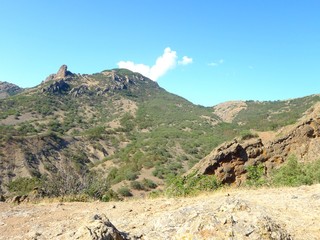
(2, 198)
(77, 91)
(228, 161)
(57, 87)
(99, 227)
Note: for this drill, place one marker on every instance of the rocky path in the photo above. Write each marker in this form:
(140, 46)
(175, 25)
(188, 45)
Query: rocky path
(283, 213)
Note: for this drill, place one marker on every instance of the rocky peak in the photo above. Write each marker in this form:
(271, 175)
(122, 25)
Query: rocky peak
(62, 73)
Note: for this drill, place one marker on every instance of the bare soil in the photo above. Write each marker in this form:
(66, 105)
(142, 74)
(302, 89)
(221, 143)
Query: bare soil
(296, 210)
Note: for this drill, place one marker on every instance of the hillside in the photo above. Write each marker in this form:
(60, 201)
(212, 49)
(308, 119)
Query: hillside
(283, 213)
(8, 89)
(116, 130)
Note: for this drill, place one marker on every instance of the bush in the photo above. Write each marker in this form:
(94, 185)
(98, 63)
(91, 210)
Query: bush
(147, 183)
(191, 185)
(125, 192)
(131, 176)
(255, 175)
(109, 196)
(293, 173)
(136, 185)
(247, 134)
(24, 185)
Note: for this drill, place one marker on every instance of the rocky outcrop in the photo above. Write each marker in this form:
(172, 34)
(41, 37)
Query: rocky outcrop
(57, 87)
(229, 161)
(78, 91)
(99, 228)
(227, 111)
(233, 219)
(62, 73)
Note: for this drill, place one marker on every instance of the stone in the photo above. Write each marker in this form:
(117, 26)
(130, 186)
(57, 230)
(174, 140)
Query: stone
(2, 198)
(77, 91)
(57, 87)
(99, 227)
(62, 73)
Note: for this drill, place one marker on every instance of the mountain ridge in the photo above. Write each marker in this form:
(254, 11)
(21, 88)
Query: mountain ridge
(116, 125)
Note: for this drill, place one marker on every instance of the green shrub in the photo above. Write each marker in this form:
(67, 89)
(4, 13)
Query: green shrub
(191, 185)
(131, 176)
(247, 134)
(136, 185)
(95, 133)
(124, 191)
(293, 173)
(147, 183)
(110, 195)
(24, 185)
(255, 175)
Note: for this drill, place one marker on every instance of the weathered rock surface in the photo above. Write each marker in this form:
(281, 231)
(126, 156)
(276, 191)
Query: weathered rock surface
(227, 111)
(57, 87)
(282, 213)
(86, 84)
(99, 227)
(77, 91)
(61, 74)
(229, 161)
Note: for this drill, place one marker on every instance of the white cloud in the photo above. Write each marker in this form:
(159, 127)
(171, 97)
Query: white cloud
(167, 61)
(185, 60)
(216, 63)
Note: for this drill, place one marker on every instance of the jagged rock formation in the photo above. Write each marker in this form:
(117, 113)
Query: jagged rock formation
(99, 228)
(7, 89)
(76, 85)
(61, 74)
(57, 87)
(229, 161)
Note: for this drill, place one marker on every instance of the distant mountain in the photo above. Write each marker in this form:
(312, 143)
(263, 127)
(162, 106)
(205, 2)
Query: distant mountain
(119, 128)
(8, 89)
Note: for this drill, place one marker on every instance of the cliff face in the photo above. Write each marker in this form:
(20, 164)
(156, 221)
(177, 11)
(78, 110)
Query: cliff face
(229, 161)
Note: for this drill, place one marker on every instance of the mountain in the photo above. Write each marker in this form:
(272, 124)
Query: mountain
(8, 89)
(118, 130)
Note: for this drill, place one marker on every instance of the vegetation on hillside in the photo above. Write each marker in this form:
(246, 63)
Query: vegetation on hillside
(144, 126)
(272, 115)
(292, 174)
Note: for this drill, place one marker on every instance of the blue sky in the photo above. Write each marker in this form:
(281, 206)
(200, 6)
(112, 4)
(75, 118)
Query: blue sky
(205, 51)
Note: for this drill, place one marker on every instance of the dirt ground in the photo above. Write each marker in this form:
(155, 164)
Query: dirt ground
(295, 210)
